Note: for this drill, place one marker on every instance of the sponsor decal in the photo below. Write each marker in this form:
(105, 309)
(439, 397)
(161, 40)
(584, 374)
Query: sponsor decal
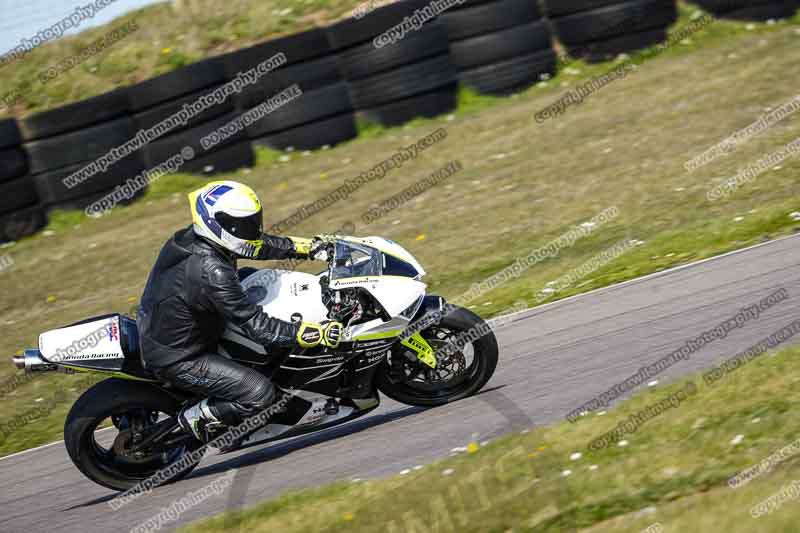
(84, 356)
(113, 330)
(375, 356)
(370, 344)
(297, 288)
(337, 359)
(354, 282)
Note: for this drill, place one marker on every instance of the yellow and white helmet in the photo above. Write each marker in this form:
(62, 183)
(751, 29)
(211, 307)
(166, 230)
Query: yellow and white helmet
(228, 214)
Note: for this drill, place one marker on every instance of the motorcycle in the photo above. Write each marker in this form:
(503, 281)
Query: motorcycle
(372, 286)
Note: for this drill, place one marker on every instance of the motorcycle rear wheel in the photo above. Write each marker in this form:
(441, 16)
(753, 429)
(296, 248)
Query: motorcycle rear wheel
(115, 399)
(467, 382)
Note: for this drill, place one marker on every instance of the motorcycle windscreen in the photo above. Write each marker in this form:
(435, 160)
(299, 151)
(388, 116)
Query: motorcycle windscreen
(94, 344)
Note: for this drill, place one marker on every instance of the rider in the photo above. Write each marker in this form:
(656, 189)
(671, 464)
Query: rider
(194, 289)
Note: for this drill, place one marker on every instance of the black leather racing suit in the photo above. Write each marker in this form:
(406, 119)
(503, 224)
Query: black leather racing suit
(192, 291)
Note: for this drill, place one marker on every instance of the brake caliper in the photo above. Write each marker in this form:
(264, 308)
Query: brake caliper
(421, 347)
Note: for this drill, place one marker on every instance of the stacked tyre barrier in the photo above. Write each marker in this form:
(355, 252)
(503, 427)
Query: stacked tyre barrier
(395, 68)
(321, 115)
(62, 141)
(49, 148)
(750, 9)
(21, 212)
(499, 46)
(597, 30)
(389, 65)
(155, 100)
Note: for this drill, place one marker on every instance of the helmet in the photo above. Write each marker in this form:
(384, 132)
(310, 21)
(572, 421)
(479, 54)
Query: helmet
(228, 214)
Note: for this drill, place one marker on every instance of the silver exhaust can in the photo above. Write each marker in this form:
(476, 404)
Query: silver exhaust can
(31, 361)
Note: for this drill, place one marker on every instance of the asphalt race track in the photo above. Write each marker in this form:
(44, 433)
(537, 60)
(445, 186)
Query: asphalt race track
(552, 360)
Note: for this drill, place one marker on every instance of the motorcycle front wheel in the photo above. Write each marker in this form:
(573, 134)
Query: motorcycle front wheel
(456, 376)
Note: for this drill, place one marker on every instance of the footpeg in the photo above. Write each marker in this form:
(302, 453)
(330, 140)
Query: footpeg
(331, 407)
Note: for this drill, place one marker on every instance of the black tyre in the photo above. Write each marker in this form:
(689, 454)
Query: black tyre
(721, 7)
(428, 105)
(166, 147)
(608, 49)
(228, 159)
(560, 8)
(22, 223)
(308, 76)
(501, 45)
(154, 115)
(53, 192)
(75, 116)
(80, 203)
(83, 145)
(299, 47)
(122, 401)
(9, 133)
(403, 82)
(353, 31)
(17, 194)
(330, 132)
(309, 107)
(469, 3)
(510, 76)
(455, 378)
(365, 60)
(179, 82)
(13, 163)
(608, 22)
(778, 10)
(488, 18)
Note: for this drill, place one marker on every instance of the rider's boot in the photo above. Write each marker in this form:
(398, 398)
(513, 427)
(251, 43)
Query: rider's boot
(199, 421)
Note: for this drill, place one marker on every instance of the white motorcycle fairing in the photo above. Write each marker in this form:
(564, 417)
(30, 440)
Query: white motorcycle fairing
(286, 294)
(281, 293)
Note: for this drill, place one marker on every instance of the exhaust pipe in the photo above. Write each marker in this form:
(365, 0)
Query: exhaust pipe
(31, 361)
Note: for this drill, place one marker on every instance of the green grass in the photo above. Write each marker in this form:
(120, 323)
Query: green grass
(169, 37)
(673, 470)
(522, 185)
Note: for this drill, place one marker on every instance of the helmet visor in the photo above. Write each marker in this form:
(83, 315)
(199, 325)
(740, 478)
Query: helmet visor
(249, 228)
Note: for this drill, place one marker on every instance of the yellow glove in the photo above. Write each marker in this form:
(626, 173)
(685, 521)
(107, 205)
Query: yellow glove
(311, 335)
(332, 333)
(302, 246)
(312, 249)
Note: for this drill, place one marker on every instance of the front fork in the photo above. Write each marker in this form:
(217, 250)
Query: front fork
(422, 348)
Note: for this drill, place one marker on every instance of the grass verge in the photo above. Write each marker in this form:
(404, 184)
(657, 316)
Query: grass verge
(672, 471)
